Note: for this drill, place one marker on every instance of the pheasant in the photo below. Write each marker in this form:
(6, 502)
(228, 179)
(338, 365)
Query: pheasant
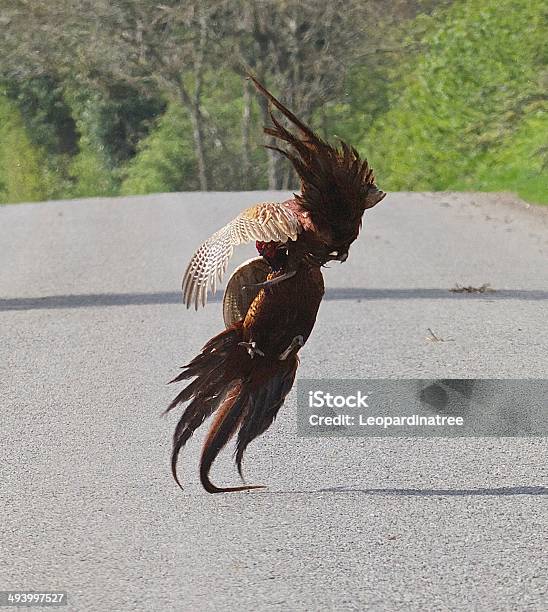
(243, 374)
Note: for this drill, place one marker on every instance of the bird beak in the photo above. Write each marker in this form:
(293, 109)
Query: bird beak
(335, 255)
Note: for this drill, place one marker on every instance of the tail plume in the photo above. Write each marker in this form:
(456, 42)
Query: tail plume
(264, 403)
(244, 394)
(228, 418)
(331, 178)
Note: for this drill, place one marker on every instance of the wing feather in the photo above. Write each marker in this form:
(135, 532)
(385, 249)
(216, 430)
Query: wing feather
(265, 222)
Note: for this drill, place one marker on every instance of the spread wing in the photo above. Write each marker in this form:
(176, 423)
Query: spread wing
(265, 222)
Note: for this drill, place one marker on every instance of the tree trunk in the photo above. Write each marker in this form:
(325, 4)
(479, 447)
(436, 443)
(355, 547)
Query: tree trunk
(272, 156)
(196, 111)
(287, 176)
(246, 118)
(198, 135)
(273, 179)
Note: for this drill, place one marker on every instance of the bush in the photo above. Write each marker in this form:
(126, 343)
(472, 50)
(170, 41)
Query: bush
(23, 177)
(89, 170)
(461, 118)
(165, 160)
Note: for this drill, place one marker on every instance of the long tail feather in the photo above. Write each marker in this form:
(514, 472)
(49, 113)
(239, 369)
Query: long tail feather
(225, 424)
(303, 127)
(244, 395)
(264, 403)
(206, 391)
(195, 414)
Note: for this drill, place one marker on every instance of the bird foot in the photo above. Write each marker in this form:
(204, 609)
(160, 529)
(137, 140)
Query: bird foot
(296, 343)
(273, 281)
(251, 348)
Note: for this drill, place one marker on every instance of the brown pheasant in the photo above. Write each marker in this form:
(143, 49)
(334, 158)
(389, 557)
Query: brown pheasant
(244, 374)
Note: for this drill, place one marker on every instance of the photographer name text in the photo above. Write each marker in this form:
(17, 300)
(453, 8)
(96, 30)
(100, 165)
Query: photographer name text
(320, 399)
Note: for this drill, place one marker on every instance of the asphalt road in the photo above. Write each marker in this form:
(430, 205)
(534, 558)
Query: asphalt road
(92, 328)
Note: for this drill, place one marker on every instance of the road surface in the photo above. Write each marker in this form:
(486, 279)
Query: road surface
(92, 328)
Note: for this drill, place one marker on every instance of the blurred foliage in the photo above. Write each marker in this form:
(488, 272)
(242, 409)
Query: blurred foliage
(23, 173)
(462, 117)
(165, 160)
(110, 124)
(135, 98)
(47, 117)
(519, 164)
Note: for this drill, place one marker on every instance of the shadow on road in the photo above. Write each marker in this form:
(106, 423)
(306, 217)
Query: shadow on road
(96, 300)
(500, 491)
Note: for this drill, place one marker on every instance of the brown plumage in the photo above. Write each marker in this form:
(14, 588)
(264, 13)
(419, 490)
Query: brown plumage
(244, 374)
(324, 219)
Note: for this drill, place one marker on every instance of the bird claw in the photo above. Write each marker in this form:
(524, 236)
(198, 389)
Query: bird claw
(251, 348)
(297, 342)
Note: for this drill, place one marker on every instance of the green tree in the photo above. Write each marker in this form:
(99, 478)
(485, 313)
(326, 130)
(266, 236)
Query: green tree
(481, 75)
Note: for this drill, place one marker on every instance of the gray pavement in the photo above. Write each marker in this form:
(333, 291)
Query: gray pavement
(92, 327)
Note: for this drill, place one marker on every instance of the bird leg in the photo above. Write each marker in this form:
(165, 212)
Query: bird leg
(251, 348)
(273, 281)
(296, 343)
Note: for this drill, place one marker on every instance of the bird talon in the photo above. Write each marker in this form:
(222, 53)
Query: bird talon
(251, 348)
(297, 342)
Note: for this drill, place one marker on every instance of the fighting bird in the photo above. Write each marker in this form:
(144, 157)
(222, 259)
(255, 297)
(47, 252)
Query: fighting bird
(243, 374)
